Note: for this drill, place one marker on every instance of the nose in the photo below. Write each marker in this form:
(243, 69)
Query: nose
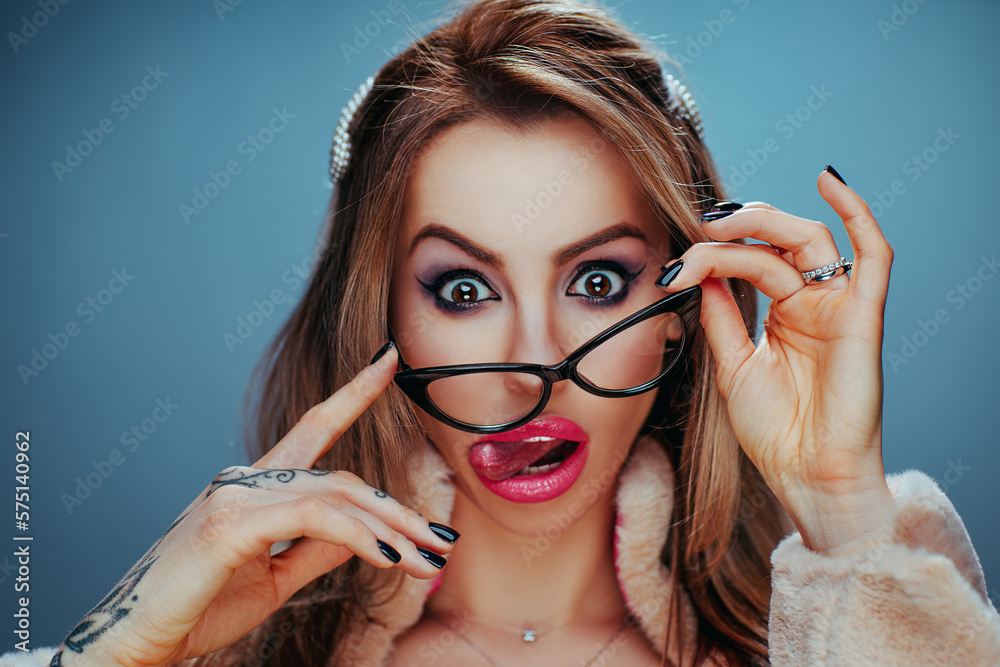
(534, 339)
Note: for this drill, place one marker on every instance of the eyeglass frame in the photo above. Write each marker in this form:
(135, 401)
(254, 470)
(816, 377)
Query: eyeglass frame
(415, 381)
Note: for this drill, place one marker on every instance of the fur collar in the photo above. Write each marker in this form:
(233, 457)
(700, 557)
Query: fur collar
(644, 499)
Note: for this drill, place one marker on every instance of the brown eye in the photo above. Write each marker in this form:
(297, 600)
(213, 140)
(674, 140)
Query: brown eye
(598, 284)
(461, 290)
(464, 292)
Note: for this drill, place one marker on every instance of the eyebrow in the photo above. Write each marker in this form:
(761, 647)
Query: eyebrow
(437, 231)
(560, 257)
(617, 231)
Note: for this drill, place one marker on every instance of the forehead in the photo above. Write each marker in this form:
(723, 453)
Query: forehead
(509, 187)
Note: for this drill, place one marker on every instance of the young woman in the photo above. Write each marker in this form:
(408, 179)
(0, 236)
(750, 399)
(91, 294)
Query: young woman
(584, 459)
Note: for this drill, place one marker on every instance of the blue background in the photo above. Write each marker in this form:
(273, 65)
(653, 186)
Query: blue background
(161, 337)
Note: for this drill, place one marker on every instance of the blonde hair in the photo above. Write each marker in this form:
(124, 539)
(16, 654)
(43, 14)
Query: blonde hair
(516, 62)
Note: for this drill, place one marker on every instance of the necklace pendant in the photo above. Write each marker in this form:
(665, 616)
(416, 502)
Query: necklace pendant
(529, 636)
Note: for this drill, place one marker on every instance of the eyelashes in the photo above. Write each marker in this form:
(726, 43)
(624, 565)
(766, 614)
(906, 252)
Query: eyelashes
(460, 290)
(602, 283)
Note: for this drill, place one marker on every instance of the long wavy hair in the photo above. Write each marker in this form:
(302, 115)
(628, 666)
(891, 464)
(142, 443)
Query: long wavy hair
(515, 62)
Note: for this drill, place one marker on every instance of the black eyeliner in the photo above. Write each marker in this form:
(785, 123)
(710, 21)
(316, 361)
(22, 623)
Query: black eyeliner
(434, 287)
(609, 265)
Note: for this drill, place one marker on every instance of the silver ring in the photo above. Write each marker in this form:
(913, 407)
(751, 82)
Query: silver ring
(824, 273)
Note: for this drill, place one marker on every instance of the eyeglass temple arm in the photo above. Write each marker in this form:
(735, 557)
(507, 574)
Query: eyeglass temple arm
(402, 364)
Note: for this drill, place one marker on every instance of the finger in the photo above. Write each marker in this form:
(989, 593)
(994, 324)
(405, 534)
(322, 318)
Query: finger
(305, 560)
(252, 532)
(318, 428)
(241, 487)
(399, 517)
(769, 273)
(810, 243)
(302, 562)
(872, 253)
(724, 329)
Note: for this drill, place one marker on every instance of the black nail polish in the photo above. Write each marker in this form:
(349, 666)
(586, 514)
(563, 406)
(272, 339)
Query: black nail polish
(836, 175)
(432, 558)
(389, 552)
(381, 353)
(718, 215)
(446, 533)
(727, 206)
(669, 273)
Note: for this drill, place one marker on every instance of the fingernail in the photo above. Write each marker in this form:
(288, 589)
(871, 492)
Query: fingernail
(381, 353)
(834, 172)
(432, 558)
(389, 552)
(669, 273)
(721, 210)
(446, 533)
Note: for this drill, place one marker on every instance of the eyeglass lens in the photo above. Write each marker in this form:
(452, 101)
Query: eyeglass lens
(630, 359)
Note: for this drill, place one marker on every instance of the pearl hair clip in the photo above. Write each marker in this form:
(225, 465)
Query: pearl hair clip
(678, 91)
(340, 153)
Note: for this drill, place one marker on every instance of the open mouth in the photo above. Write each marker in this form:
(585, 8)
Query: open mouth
(550, 461)
(497, 461)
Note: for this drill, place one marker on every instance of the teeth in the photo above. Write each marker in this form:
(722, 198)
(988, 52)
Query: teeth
(539, 438)
(538, 470)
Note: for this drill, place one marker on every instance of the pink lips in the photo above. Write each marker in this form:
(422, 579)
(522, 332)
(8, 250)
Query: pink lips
(497, 459)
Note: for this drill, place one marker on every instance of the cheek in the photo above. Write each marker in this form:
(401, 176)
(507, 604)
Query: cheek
(621, 418)
(446, 440)
(615, 430)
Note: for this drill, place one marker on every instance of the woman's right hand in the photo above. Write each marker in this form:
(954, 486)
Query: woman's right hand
(210, 578)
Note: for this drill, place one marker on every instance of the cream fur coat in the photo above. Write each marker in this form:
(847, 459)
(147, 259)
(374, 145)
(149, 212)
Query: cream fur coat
(919, 598)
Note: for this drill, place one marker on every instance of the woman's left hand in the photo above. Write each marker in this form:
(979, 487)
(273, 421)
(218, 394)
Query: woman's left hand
(805, 403)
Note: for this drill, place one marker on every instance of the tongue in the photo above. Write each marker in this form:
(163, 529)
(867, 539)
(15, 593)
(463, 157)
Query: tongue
(497, 461)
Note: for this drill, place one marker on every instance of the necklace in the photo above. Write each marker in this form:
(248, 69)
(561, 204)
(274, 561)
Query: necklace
(528, 636)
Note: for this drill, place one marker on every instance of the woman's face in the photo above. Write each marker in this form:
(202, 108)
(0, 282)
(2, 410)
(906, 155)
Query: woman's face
(519, 248)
